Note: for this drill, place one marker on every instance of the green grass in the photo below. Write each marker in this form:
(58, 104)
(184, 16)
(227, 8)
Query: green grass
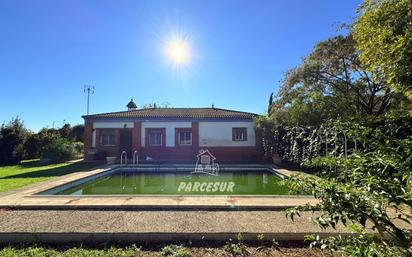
(32, 171)
(38, 251)
(238, 249)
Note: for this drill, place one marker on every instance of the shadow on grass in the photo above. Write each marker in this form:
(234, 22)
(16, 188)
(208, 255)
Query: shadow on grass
(54, 172)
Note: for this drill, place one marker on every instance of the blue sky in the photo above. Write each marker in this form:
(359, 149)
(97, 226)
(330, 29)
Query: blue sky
(240, 49)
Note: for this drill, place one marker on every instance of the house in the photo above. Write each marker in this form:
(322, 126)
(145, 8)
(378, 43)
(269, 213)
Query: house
(172, 134)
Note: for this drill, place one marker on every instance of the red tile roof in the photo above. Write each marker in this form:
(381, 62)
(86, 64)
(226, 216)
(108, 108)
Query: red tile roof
(200, 113)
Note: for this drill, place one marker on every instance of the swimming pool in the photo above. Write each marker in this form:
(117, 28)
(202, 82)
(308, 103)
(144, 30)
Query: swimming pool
(129, 181)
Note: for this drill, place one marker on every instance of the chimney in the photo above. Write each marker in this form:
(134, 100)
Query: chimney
(131, 106)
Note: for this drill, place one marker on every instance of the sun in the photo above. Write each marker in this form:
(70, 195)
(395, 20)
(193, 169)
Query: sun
(178, 51)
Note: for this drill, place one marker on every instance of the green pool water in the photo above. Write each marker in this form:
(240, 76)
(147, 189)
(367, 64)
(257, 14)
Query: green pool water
(181, 183)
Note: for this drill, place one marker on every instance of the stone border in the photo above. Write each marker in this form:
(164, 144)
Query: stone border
(28, 198)
(148, 237)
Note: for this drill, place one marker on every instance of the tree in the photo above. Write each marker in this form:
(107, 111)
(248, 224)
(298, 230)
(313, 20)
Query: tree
(334, 75)
(306, 110)
(32, 146)
(76, 133)
(65, 130)
(383, 34)
(270, 103)
(12, 138)
(155, 105)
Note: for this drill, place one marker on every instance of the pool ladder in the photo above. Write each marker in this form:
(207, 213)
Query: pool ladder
(135, 158)
(125, 158)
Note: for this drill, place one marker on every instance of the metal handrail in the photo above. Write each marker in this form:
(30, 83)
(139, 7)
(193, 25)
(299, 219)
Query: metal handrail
(135, 158)
(125, 158)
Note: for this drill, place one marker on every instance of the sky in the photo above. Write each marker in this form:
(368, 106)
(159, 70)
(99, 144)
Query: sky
(238, 52)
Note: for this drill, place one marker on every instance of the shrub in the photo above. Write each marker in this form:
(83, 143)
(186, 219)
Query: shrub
(58, 149)
(371, 186)
(78, 147)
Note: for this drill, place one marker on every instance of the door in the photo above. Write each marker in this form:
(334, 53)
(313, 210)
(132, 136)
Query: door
(126, 142)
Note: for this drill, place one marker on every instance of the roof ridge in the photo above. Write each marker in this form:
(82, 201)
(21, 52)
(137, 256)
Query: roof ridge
(197, 112)
(235, 111)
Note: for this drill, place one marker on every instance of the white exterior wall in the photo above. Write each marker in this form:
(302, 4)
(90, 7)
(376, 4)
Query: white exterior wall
(170, 130)
(220, 133)
(113, 124)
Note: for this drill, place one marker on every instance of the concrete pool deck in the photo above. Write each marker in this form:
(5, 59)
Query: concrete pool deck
(28, 198)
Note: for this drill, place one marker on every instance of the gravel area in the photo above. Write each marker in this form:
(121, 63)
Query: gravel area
(154, 221)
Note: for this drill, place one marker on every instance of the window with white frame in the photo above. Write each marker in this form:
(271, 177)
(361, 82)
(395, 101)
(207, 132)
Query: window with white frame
(108, 137)
(239, 134)
(155, 137)
(185, 137)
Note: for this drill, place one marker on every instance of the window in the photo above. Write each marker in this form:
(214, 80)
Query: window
(108, 138)
(155, 137)
(185, 137)
(239, 134)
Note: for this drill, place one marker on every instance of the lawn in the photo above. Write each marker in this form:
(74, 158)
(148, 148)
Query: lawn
(32, 171)
(167, 251)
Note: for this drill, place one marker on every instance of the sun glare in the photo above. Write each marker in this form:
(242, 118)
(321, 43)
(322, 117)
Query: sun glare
(178, 51)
